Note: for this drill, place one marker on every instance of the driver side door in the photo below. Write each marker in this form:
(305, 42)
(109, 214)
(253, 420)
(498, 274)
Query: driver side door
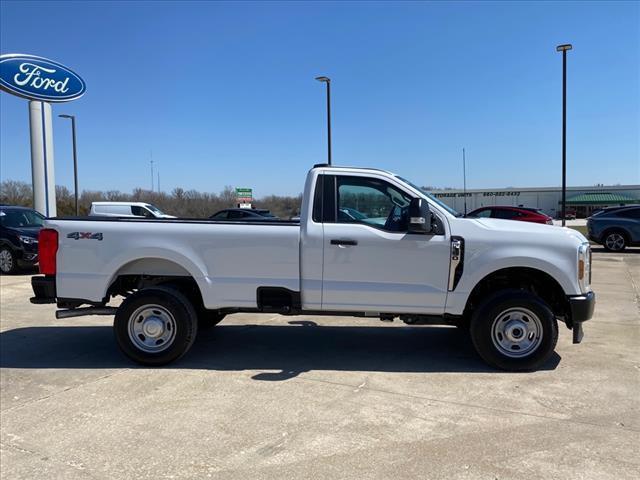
(371, 262)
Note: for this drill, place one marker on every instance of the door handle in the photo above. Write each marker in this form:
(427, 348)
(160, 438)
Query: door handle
(344, 243)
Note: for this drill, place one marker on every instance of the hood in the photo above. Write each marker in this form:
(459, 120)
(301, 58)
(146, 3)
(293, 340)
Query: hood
(26, 231)
(534, 229)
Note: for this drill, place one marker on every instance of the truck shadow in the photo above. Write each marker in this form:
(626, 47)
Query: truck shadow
(280, 352)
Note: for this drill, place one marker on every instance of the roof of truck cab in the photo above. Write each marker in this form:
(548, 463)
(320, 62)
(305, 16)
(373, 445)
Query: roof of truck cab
(357, 169)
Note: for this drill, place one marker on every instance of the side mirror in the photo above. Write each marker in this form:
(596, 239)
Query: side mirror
(419, 216)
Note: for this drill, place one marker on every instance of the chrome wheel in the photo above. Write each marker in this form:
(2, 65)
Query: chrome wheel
(6, 261)
(152, 328)
(516, 332)
(614, 241)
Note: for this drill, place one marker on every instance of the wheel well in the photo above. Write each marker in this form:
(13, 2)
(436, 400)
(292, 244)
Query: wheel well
(126, 284)
(619, 230)
(535, 281)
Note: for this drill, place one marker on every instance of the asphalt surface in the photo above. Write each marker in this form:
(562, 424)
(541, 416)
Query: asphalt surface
(271, 397)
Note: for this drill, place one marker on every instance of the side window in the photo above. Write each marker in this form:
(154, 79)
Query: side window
(483, 213)
(141, 212)
(220, 216)
(372, 202)
(137, 211)
(234, 214)
(504, 214)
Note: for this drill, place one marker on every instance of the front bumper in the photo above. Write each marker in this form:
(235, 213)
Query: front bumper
(44, 289)
(582, 308)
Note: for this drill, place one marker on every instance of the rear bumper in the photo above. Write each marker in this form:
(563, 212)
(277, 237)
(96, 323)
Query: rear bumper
(44, 289)
(582, 308)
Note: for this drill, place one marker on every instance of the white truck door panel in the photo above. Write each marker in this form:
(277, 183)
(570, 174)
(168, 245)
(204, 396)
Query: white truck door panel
(371, 262)
(384, 272)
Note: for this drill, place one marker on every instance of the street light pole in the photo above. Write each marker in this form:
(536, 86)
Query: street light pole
(327, 80)
(75, 160)
(564, 48)
(464, 179)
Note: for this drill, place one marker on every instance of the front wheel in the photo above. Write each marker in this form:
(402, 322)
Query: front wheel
(155, 326)
(514, 330)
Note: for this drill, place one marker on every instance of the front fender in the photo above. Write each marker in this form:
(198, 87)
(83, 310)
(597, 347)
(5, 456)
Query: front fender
(483, 262)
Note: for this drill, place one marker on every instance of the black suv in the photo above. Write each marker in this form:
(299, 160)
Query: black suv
(19, 228)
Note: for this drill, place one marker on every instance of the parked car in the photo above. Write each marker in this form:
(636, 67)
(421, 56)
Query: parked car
(244, 215)
(508, 282)
(523, 214)
(19, 228)
(615, 228)
(568, 215)
(126, 209)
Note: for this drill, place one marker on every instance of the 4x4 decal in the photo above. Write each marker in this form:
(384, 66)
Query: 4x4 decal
(85, 235)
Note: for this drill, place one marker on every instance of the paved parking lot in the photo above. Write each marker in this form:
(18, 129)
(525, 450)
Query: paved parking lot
(264, 396)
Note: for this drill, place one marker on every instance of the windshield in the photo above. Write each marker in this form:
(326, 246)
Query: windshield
(21, 218)
(431, 197)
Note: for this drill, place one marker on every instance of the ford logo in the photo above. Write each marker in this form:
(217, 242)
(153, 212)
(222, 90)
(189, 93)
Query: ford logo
(37, 78)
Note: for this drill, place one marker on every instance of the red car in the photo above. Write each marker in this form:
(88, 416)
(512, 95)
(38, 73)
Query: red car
(522, 214)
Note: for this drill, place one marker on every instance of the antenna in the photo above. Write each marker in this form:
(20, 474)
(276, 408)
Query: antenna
(464, 177)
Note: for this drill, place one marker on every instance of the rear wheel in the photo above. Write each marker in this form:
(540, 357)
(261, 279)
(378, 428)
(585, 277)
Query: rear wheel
(155, 326)
(8, 262)
(615, 241)
(514, 330)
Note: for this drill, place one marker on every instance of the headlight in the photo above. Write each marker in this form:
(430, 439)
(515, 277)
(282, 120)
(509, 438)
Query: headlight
(27, 240)
(584, 267)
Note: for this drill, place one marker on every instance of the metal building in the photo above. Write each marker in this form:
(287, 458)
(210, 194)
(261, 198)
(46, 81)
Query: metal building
(580, 200)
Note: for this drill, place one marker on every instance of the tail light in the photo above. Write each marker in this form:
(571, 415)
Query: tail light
(47, 250)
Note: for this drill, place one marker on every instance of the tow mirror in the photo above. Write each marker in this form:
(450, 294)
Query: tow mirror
(419, 216)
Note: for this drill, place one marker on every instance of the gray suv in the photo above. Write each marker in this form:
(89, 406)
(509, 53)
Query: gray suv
(615, 228)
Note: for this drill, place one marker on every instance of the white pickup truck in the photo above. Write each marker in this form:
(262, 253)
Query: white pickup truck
(369, 243)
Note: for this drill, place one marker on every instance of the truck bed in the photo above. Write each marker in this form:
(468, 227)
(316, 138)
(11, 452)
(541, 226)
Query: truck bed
(228, 260)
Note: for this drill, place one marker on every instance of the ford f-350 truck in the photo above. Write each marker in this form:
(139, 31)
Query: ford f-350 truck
(369, 243)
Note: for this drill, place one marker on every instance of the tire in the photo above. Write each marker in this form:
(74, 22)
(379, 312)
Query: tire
(8, 261)
(209, 318)
(514, 330)
(614, 241)
(155, 326)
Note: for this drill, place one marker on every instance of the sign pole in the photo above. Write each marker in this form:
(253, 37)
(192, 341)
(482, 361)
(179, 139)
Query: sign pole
(42, 158)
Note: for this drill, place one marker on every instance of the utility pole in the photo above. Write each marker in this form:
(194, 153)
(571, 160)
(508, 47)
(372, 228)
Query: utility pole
(151, 153)
(464, 177)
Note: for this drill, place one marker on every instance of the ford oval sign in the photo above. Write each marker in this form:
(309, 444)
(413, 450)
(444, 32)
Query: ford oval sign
(37, 78)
